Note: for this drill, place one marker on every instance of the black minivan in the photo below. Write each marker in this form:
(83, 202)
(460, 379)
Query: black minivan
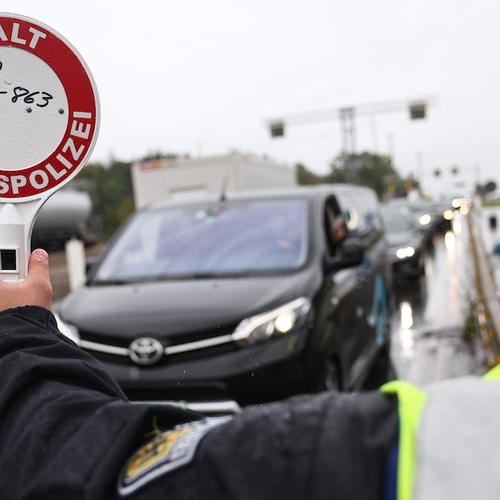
(244, 298)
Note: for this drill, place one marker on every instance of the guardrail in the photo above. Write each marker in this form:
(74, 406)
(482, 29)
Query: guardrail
(487, 299)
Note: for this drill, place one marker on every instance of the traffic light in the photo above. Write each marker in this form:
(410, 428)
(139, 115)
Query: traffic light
(417, 111)
(277, 129)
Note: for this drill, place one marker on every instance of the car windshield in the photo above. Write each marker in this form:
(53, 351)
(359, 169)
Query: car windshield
(219, 239)
(438, 206)
(415, 206)
(396, 222)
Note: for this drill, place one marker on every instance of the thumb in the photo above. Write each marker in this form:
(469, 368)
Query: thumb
(35, 290)
(38, 265)
(37, 284)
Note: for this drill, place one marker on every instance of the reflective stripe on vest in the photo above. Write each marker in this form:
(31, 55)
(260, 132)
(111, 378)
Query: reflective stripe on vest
(493, 374)
(410, 403)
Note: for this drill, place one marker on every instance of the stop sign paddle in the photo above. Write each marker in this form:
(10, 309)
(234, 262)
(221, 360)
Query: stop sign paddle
(50, 114)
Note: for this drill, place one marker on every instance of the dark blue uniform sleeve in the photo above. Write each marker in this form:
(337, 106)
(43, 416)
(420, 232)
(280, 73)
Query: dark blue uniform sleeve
(65, 426)
(68, 432)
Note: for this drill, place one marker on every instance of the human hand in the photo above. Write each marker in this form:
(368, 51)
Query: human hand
(35, 290)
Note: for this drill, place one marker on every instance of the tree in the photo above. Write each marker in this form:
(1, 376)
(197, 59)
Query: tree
(365, 169)
(110, 188)
(305, 176)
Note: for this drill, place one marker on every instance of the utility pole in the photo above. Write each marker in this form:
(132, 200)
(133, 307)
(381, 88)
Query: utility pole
(347, 116)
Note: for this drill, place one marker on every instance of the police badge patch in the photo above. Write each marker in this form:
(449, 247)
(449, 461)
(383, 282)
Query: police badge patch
(165, 453)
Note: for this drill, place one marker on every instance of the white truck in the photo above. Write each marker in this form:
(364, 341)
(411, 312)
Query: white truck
(175, 178)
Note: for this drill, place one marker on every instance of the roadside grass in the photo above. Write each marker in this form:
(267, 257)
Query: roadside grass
(471, 325)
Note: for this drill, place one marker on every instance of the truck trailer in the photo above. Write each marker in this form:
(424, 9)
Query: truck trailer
(176, 178)
(65, 215)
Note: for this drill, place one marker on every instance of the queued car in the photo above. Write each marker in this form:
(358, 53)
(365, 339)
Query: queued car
(433, 217)
(422, 214)
(443, 214)
(407, 248)
(223, 302)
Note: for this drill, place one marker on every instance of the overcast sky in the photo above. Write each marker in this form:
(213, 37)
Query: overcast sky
(202, 77)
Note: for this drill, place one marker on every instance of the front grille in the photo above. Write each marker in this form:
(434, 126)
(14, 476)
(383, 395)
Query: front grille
(192, 352)
(183, 338)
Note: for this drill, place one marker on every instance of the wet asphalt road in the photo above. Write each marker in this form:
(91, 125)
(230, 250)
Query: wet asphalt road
(430, 315)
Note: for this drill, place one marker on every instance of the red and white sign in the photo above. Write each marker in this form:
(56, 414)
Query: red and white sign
(49, 110)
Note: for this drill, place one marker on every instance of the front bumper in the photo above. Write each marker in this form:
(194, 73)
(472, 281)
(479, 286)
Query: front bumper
(406, 268)
(215, 377)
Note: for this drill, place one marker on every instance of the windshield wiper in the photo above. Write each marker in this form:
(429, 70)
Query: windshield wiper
(129, 281)
(189, 276)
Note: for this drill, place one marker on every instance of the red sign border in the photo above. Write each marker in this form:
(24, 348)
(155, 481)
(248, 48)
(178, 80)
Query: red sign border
(83, 112)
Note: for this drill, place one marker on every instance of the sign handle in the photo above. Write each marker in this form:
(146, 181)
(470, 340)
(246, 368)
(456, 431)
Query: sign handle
(16, 226)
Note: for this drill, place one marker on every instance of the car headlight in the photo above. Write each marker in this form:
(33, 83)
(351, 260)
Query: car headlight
(405, 253)
(448, 214)
(275, 323)
(68, 330)
(425, 220)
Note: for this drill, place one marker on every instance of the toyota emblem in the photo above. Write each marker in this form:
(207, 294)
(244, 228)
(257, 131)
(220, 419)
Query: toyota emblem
(145, 351)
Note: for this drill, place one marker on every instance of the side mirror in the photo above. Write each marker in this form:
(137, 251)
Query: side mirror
(352, 254)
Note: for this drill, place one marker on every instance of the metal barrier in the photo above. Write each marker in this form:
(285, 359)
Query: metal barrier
(487, 300)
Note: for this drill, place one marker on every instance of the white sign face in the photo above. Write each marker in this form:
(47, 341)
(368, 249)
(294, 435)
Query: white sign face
(49, 110)
(29, 133)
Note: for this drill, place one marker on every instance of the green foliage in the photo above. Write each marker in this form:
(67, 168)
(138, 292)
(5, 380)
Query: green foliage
(471, 326)
(365, 169)
(486, 202)
(110, 188)
(305, 176)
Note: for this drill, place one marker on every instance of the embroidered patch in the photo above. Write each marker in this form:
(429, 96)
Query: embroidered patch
(165, 453)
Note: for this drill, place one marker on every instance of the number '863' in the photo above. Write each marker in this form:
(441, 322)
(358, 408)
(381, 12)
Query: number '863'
(40, 99)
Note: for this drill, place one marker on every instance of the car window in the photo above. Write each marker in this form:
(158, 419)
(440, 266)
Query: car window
(362, 215)
(226, 238)
(335, 227)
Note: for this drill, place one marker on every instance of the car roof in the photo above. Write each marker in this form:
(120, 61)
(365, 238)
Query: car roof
(311, 192)
(399, 211)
